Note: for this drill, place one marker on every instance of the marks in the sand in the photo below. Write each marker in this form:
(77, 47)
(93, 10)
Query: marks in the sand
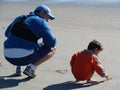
(3, 27)
(62, 71)
(0, 64)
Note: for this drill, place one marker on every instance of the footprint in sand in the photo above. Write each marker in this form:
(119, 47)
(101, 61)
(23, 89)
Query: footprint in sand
(62, 71)
(0, 64)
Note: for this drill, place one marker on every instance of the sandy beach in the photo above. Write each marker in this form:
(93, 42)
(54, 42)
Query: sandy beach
(75, 25)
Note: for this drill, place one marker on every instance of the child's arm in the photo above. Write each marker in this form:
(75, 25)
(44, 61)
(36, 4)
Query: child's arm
(99, 68)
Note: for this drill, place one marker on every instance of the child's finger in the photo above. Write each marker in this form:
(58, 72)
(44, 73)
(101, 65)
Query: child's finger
(108, 78)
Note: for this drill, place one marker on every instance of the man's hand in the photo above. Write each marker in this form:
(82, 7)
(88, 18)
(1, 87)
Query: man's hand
(53, 49)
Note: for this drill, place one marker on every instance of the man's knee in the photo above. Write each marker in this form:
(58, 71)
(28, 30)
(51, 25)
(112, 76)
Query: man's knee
(52, 52)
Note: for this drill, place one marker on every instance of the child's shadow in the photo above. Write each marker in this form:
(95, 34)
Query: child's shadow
(11, 81)
(69, 85)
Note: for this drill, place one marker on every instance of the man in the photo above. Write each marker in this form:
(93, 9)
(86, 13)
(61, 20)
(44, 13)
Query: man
(21, 46)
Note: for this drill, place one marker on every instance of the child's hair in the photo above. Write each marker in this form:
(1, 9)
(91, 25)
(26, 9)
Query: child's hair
(94, 44)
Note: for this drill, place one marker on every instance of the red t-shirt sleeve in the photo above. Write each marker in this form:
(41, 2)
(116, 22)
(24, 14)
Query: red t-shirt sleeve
(98, 67)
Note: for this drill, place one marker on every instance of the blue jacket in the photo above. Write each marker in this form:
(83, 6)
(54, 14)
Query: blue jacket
(38, 26)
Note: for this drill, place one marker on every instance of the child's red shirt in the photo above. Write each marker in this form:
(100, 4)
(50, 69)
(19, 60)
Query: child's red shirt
(83, 64)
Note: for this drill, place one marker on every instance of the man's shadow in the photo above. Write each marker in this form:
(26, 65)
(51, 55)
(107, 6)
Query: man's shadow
(11, 81)
(69, 85)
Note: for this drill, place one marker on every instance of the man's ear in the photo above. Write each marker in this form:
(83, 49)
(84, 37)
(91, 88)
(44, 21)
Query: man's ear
(41, 14)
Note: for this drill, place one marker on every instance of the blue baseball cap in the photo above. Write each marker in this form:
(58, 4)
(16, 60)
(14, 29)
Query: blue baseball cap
(46, 10)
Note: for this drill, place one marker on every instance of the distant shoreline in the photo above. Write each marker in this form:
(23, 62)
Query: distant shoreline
(96, 3)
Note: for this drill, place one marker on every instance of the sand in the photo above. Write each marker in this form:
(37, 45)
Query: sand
(75, 25)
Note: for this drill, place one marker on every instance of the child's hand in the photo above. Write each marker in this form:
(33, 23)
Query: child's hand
(107, 78)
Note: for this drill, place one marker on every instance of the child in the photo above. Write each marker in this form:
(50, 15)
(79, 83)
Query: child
(85, 63)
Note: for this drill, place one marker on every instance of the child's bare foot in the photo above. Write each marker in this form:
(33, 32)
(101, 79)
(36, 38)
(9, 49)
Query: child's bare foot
(92, 81)
(77, 80)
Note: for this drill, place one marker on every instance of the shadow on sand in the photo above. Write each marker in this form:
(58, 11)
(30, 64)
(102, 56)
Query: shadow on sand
(11, 81)
(70, 85)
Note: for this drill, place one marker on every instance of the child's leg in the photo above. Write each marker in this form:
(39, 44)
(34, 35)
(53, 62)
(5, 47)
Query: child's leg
(91, 80)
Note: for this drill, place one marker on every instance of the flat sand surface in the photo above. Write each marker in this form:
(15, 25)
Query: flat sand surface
(74, 27)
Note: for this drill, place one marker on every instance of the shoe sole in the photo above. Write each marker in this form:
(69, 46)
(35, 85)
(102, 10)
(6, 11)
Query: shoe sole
(27, 73)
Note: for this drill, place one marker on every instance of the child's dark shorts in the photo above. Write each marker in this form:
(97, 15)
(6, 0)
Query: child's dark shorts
(30, 59)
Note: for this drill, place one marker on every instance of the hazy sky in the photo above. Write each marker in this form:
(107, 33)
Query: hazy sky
(70, 0)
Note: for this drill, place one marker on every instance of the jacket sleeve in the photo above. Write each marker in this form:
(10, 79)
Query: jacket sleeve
(98, 67)
(8, 30)
(48, 38)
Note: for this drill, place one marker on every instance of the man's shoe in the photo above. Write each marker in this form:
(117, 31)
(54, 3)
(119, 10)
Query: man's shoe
(29, 72)
(18, 71)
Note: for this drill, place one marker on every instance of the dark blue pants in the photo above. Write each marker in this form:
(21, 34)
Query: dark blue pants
(30, 59)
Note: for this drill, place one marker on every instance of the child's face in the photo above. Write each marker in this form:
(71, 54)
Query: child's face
(97, 51)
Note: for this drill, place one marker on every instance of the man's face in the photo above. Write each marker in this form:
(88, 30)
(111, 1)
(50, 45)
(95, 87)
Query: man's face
(44, 15)
(47, 17)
